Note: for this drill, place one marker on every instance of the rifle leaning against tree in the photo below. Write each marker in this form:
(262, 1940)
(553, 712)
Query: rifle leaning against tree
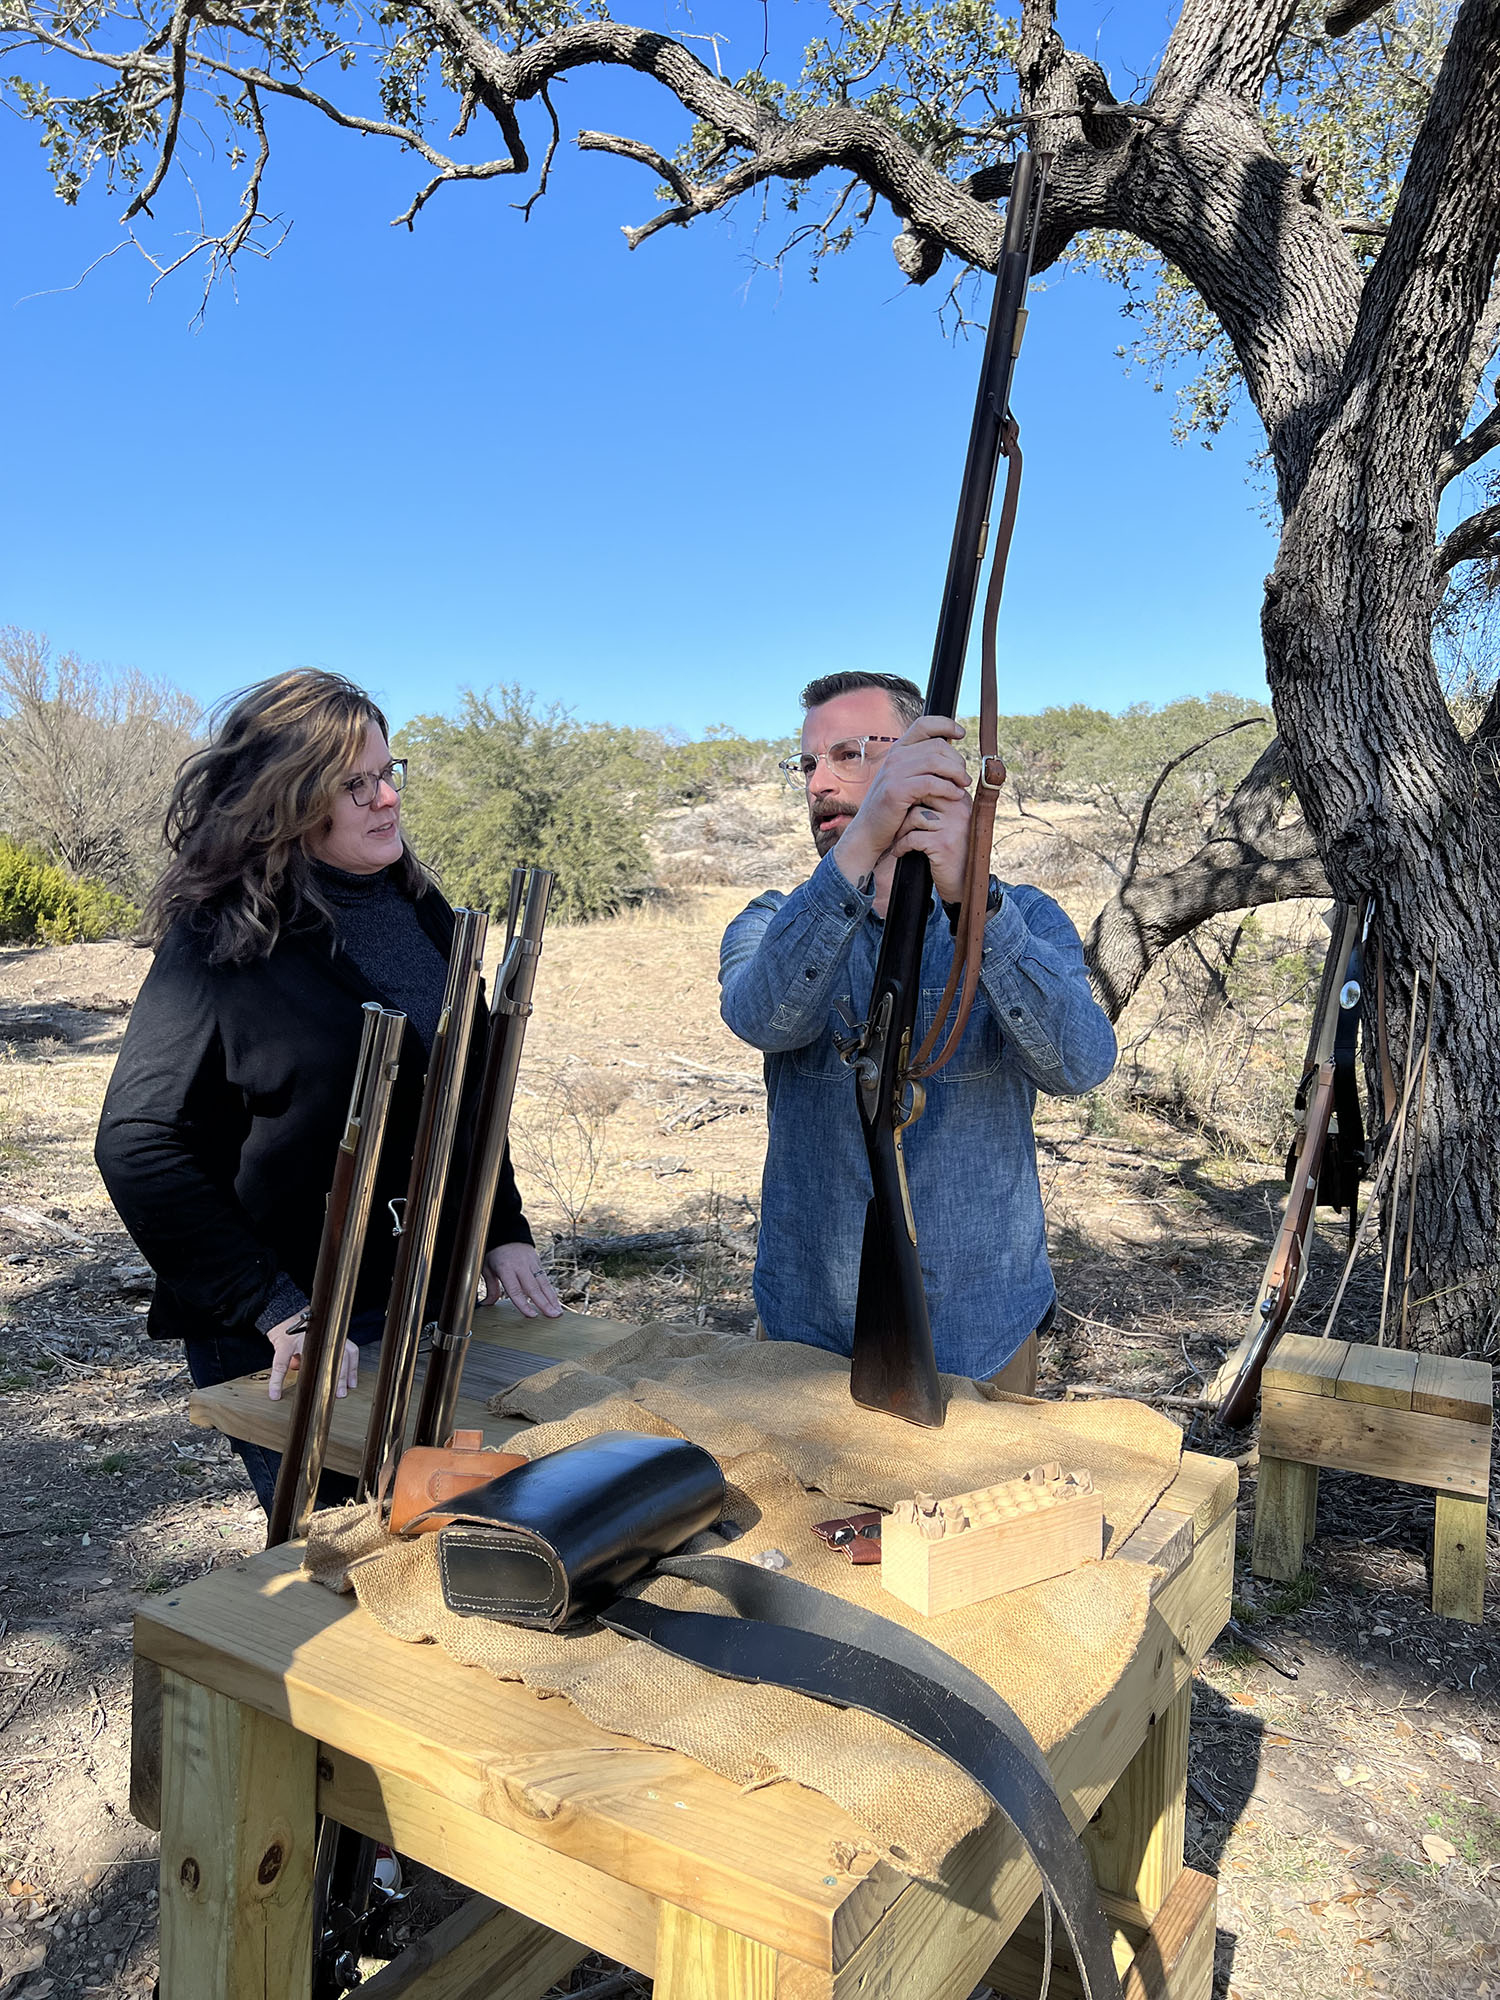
(893, 1367)
(1324, 1168)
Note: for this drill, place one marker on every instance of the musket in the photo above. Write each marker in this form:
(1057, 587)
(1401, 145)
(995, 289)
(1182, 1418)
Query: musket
(530, 892)
(893, 1367)
(442, 1098)
(336, 1274)
(1324, 1169)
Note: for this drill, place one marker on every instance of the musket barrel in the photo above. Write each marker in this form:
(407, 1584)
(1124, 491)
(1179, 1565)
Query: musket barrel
(337, 1273)
(892, 1367)
(442, 1099)
(507, 1030)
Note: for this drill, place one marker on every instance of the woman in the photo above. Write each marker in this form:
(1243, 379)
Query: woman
(292, 898)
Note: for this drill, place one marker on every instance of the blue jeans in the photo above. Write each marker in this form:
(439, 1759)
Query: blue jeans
(230, 1355)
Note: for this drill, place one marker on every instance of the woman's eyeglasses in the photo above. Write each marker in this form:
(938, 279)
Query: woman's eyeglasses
(364, 788)
(847, 760)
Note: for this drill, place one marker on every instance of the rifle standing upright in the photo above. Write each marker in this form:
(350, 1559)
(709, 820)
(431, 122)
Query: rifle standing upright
(893, 1366)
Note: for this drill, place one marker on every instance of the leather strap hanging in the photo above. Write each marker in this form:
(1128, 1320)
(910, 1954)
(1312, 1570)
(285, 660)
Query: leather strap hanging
(968, 949)
(787, 1634)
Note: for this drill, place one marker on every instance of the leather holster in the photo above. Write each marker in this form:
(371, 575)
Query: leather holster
(427, 1475)
(545, 1544)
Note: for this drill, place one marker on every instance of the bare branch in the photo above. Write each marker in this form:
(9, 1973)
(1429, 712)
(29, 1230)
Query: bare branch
(634, 149)
(181, 22)
(1483, 438)
(1247, 860)
(1471, 538)
(1245, 722)
(1342, 20)
(547, 158)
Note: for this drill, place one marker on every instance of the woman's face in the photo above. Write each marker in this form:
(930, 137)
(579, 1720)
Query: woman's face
(362, 839)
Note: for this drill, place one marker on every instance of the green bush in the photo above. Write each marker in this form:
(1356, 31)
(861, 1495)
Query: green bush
(507, 782)
(41, 903)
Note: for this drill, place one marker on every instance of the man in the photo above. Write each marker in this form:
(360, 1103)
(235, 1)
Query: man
(883, 780)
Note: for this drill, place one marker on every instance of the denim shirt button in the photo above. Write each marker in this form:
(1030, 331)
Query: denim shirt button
(1015, 1013)
(809, 972)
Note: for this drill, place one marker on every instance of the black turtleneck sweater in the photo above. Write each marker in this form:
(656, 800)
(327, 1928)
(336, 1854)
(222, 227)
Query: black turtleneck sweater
(379, 927)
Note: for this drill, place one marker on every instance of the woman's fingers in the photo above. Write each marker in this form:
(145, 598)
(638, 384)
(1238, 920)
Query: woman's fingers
(285, 1349)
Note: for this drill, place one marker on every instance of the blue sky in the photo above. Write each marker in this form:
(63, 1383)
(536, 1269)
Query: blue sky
(662, 486)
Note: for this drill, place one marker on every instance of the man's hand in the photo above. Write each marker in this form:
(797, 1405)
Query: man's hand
(286, 1341)
(922, 769)
(514, 1271)
(942, 834)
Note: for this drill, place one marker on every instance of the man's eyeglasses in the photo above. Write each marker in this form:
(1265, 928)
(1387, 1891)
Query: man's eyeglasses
(847, 760)
(364, 788)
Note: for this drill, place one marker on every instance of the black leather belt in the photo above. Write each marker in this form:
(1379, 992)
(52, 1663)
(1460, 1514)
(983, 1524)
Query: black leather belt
(790, 1635)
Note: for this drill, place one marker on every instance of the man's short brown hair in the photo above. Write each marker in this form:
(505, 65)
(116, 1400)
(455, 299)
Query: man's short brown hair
(906, 696)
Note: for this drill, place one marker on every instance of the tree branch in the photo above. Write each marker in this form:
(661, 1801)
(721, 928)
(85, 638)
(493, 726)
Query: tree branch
(1342, 20)
(1246, 861)
(1154, 794)
(1460, 456)
(1471, 538)
(1218, 47)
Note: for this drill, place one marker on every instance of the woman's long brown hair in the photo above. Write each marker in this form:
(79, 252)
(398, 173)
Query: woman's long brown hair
(243, 806)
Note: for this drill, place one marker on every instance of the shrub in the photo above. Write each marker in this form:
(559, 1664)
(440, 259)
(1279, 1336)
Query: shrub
(505, 782)
(41, 903)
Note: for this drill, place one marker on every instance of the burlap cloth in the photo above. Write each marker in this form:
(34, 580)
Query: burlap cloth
(780, 1420)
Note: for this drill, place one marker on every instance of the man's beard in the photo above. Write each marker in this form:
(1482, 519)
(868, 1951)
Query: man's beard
(825, 836)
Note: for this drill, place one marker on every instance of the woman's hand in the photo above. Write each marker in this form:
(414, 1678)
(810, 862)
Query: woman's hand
(286, 1340)
(514, 1271)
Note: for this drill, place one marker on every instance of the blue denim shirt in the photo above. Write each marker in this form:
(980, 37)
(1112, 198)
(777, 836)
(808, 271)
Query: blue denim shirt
(784, 966)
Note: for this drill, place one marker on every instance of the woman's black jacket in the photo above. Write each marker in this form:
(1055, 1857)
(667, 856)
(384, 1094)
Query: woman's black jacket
(224, 1114)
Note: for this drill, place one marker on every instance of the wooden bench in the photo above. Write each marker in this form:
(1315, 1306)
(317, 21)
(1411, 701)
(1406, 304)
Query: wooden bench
(1419, 1418)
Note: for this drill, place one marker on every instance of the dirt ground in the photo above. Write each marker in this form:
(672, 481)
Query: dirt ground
(1352, 1814)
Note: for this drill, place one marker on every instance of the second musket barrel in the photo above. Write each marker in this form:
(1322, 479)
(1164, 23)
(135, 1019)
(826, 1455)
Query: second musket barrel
(531, 892)
(339, 1254)
(442, 1102)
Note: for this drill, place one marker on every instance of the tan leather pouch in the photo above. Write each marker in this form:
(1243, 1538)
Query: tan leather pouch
(427, 1475)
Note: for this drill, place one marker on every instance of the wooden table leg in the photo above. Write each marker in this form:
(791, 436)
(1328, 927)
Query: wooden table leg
(238, 1813)
(1135, 1839)
(1286, 1511)
(699, 1960)
(1458, 1557)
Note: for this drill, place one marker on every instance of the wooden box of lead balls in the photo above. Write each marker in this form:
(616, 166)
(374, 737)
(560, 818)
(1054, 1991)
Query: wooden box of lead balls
(938, 1554)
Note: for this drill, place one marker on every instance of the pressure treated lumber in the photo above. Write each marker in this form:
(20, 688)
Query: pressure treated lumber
(1286, 1504)
(1458, 1540)
(697, 1960)
(1385, 1442)
(1135, 1841)
(1171, 1960)
(482, 1952)
(238, 1799)
(145, 1743)
(1424, 1420)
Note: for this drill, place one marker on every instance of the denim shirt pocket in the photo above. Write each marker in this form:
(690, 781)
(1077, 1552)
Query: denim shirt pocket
(978, 1053)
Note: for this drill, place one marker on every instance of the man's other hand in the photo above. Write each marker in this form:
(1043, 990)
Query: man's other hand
(921, 769)
(514, 1271)
(942, 834)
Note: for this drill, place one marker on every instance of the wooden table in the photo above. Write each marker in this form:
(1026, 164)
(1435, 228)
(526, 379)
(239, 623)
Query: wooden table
(270, 1701)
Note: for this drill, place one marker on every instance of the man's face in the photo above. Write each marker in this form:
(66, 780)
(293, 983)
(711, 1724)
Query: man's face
(833, 798)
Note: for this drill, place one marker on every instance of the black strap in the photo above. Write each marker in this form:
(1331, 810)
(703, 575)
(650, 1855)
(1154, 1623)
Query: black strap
(790, 1635)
